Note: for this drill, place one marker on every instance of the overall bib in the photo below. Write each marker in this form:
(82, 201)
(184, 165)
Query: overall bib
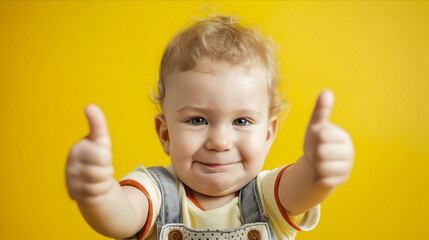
(256, 225)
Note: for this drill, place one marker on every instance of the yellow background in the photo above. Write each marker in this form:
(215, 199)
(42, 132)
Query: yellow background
(57, 57)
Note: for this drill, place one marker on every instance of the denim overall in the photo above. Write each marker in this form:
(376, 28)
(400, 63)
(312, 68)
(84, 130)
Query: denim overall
(256, 225)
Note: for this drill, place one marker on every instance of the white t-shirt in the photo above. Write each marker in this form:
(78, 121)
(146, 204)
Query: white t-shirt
(227, 216)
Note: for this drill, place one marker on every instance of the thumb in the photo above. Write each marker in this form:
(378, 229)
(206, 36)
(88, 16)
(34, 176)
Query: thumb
(98, 132)
(322, 109)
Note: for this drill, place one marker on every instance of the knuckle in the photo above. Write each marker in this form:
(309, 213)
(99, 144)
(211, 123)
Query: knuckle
(105, 157)
(346, 137)
(321, 171)
(88, 190)
(321, 151)
(73, 189)
(346, 134)
(331, 181)
(349, 167)
(333, 169)
(110, 170)
(91, 190)
(95, 189)
(341, 180)
(99, 156)
(80, 151)
(74, 151)
(94, 155)
(327, 182)
(89, 174)
(95, 174)
(313, 129)
(345, 179)
(324, 135)
(324, 169)
(72, 170)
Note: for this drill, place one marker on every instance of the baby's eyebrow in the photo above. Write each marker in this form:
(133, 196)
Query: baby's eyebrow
(245, 111)
(192, 109)
(250, 112)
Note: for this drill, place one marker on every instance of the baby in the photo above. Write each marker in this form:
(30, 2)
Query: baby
(219, 102)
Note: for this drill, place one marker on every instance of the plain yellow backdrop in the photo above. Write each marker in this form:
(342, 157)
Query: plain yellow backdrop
(57, 57)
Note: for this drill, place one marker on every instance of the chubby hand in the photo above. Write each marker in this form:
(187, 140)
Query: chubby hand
(89, 167)
(327, 147)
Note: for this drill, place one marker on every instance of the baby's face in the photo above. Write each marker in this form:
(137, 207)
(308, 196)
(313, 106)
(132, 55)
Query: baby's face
(218, 129)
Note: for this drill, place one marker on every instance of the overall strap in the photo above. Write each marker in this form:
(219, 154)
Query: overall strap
(170, 211)
(251, 206)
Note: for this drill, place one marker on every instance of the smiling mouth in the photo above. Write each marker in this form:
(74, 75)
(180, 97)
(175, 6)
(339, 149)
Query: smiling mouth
(215, 165)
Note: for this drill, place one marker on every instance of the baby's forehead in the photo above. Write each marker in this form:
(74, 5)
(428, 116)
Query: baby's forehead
(215, 66)
(217, 93)
(220, 71)
(207, 69)
(218, 77)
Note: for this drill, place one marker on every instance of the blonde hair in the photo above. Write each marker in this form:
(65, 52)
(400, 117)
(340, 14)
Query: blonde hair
(220, 38)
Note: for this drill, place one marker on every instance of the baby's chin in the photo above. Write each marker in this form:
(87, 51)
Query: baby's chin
(215, 189)
(217, 193)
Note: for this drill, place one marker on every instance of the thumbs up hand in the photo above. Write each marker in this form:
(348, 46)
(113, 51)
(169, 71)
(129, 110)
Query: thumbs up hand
(89, 167)
(327, 147)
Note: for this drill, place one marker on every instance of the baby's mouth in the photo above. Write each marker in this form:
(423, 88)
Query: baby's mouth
(214, 166)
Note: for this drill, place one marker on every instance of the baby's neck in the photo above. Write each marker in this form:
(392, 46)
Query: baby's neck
(211, 202)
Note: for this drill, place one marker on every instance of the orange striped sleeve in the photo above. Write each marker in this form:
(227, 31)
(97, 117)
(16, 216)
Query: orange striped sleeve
(279, 205)
(146, 227)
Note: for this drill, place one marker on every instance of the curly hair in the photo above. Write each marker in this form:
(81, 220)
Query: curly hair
(220, 38)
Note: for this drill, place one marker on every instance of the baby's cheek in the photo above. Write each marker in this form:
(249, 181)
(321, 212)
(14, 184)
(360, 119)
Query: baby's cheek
(253, 151)
(186, 143)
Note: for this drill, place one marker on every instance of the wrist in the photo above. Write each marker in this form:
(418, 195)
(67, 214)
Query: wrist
(308, 168)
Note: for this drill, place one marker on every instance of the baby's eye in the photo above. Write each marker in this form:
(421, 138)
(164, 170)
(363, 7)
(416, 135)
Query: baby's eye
(197, 121)
(241, 122)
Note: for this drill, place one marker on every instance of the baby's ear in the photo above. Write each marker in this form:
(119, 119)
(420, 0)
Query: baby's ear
(162, 131)
(271, 132)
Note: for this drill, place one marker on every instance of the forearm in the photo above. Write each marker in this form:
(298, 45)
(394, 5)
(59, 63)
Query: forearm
(113, 214)
(299, 189)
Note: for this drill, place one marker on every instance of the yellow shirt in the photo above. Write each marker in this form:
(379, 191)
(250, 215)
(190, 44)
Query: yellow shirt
(227, 216)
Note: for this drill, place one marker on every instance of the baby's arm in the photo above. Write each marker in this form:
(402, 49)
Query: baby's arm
(326, 163)
(110, 209)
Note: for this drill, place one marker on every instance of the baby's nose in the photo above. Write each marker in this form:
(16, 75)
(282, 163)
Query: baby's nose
(219, 141)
